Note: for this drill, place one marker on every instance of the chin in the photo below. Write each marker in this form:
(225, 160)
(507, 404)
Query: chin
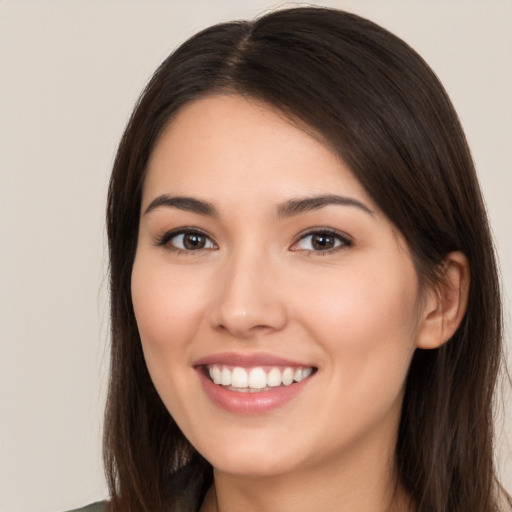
(258, 467)
(253, 459)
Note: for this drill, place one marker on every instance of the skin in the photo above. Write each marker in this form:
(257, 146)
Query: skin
(355, 313)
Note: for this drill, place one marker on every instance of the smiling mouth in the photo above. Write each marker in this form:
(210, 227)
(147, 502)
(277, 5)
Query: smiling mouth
(257, 379)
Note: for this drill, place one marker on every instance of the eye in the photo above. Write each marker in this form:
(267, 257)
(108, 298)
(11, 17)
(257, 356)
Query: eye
(322, 241)
(186, 240)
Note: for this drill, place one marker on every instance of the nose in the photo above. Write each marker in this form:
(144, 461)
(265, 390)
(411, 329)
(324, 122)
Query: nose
(249, 300)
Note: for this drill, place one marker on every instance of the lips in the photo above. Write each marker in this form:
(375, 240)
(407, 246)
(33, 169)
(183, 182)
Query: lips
(254, 383)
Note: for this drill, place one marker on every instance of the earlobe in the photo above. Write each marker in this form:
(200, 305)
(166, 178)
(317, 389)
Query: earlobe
(445, 305)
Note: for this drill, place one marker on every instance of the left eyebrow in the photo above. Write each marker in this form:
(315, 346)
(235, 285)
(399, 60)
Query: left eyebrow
(297, 206)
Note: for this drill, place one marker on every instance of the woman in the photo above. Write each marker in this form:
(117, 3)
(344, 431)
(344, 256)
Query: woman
(305, 305)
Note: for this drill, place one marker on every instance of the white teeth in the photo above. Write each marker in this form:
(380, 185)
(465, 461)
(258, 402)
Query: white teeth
(274, 377)
(306, 372)
(287, 376)
(256, 378)
(239, 378)
(225, 377)
(215, 374)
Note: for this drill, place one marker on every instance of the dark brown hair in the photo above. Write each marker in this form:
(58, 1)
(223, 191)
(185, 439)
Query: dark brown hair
(381, 108)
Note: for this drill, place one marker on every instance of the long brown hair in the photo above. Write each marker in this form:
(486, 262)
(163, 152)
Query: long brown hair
(381, 108)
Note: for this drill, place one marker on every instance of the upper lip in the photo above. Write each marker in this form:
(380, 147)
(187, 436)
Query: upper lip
(248, 360)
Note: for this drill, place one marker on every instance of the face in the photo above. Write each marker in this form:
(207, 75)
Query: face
(277, 306)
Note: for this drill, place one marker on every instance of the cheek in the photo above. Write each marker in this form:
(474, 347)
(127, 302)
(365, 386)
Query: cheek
(362, 300)
(367, 323)
(168, 312)
(165, 306)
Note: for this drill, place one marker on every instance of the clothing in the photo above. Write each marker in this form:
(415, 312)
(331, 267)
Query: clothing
(99, 506)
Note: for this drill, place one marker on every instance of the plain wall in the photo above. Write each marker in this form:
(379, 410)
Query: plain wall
(70, 72)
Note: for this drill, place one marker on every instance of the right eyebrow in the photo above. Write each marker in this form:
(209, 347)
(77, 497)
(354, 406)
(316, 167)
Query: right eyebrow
(188, 204)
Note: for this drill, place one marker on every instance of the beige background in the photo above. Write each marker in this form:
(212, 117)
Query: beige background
(70, 72)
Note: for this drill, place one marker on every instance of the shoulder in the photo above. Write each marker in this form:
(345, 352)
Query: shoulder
(100, 506)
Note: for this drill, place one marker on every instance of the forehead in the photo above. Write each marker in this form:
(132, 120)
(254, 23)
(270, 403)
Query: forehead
(232, 146)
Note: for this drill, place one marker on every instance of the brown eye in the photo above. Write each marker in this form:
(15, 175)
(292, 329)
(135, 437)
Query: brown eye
(194, 241)
(322, 241)
(190, 241)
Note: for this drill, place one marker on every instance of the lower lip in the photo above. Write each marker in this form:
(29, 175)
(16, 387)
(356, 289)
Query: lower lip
(258, 402)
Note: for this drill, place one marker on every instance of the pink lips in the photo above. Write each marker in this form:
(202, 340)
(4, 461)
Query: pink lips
(246, 360)
(246, 402)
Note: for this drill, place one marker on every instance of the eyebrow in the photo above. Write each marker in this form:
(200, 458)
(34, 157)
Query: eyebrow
(286, 209)
(298, 206)
(188, 204)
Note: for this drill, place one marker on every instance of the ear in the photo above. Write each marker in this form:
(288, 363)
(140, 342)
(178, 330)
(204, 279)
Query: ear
(445, 303)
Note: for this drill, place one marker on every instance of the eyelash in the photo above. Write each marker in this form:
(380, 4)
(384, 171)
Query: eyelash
(344, 241)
